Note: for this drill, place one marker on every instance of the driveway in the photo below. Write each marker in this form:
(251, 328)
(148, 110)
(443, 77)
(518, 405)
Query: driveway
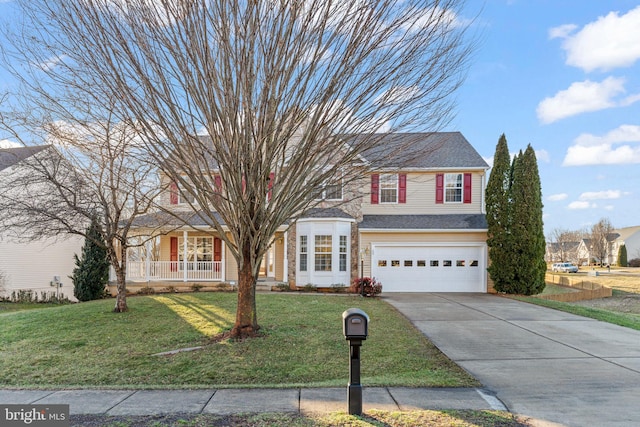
(540, 362)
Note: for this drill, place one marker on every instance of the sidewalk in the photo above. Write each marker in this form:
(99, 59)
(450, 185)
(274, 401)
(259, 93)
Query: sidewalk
(233, 401)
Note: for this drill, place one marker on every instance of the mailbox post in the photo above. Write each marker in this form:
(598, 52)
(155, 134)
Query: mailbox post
(355, 326)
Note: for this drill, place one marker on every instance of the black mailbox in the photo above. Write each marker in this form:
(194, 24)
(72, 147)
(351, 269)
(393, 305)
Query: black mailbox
(355, 324)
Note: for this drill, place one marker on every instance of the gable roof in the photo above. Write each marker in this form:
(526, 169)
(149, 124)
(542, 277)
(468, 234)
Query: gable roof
(625, 233)
(433, 150)
(12, 156)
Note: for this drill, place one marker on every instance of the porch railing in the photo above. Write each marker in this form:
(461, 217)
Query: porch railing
(174, 270)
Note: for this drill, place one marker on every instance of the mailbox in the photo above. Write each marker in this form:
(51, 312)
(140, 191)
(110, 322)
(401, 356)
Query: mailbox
(355, 324)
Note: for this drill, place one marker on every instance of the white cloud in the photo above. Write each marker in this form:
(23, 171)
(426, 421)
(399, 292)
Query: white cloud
(581, 205)
(562, 31)
(609, 207)
(610, 42)
(5, 143)
(582, 97)
(602, 195)
(557, 197)
(543, 155)
(589, 149)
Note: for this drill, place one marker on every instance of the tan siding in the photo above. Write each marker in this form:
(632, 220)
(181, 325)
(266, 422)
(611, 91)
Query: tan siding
(279, 254)
(366, 239)
(421, 198)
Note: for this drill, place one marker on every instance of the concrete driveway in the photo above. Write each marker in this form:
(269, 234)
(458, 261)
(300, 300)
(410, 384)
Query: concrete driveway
(542, 363)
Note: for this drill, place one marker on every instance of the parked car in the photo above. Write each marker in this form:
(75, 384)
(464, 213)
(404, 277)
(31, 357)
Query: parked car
(564, 267)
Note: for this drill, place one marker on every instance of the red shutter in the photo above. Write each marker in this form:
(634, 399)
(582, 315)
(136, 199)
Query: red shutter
(375, 186)
(402, 188)
(467, 188)
(217, 249)
(174, 253)
(217, 253)
(440, 188)
(173, 191)
(217, 183)
(272, 176)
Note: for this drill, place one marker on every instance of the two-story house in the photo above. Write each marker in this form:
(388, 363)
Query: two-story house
(416, 224)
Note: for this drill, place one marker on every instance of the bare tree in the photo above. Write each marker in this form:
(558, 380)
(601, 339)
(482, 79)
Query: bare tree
(93, 171)
(601, 238)
(275, 85)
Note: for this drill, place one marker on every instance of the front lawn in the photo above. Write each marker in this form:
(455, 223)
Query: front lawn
(86, 345)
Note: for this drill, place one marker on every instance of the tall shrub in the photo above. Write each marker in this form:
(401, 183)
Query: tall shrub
(91, 274)
(515, 234)
(622, 256)
(497, 207)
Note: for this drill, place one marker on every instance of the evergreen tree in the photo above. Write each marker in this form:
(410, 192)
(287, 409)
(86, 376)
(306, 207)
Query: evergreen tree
(527, 233)
(622, 256)
(91, 274)
(497, 208)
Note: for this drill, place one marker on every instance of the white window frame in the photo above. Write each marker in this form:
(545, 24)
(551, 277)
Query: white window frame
(387, 185)
(323, 253)
(184, 195)
(453, 186)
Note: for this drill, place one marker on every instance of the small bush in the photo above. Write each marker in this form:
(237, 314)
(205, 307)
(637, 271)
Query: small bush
(309, 287)
(196, 287)
(634, 262)
(29, 296)
(283, 286)
(339, 288)
(147, 290)
(371, 286)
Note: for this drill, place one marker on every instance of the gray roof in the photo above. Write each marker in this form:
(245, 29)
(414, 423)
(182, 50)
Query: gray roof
(424, 222)
(177, 219)
(422, 151)
(326, 213)
(11, 156)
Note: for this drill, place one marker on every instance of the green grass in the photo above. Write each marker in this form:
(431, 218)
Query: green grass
(374, 418)
(628, 320)
(86, 345)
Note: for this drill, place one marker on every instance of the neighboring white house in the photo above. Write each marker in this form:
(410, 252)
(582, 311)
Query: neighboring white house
(630, 237)
(40, 266)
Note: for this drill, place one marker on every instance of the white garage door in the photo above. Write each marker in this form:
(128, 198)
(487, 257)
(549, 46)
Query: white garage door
(429, 268)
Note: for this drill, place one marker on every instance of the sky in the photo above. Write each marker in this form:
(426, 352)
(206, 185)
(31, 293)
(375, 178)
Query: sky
(563, 76)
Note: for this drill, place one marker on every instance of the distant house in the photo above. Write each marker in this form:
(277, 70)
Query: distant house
(417, 225)
(41, 266)
(628, 236)
(562, 252)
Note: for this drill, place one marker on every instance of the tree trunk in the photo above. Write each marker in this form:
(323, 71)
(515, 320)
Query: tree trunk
(121, 278)
(246, 318)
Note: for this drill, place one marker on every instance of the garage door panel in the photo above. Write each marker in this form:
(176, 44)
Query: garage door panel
(429, 268)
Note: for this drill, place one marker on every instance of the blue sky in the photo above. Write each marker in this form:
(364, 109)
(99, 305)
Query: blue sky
(563, 76)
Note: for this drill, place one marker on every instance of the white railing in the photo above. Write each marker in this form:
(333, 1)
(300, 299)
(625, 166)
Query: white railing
(174, 270)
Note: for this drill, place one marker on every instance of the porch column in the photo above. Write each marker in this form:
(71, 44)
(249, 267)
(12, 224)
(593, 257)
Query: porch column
(185, 234)
(147, 260)
(285, 258)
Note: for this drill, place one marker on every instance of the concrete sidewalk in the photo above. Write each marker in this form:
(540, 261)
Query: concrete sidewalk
(539, 362)
(233, 401)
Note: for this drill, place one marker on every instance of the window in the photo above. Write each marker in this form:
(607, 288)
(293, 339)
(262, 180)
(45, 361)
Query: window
(382, 263)
(199, 253)
(474, 263)
(303, 253)
(434, 263)
(333, 191)
(421, 263)
(446, 263)
(388, 188)
(395, 263)
(323, 253)
(453, 187)
(460, 263)
(408, 263)
(343, 253)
